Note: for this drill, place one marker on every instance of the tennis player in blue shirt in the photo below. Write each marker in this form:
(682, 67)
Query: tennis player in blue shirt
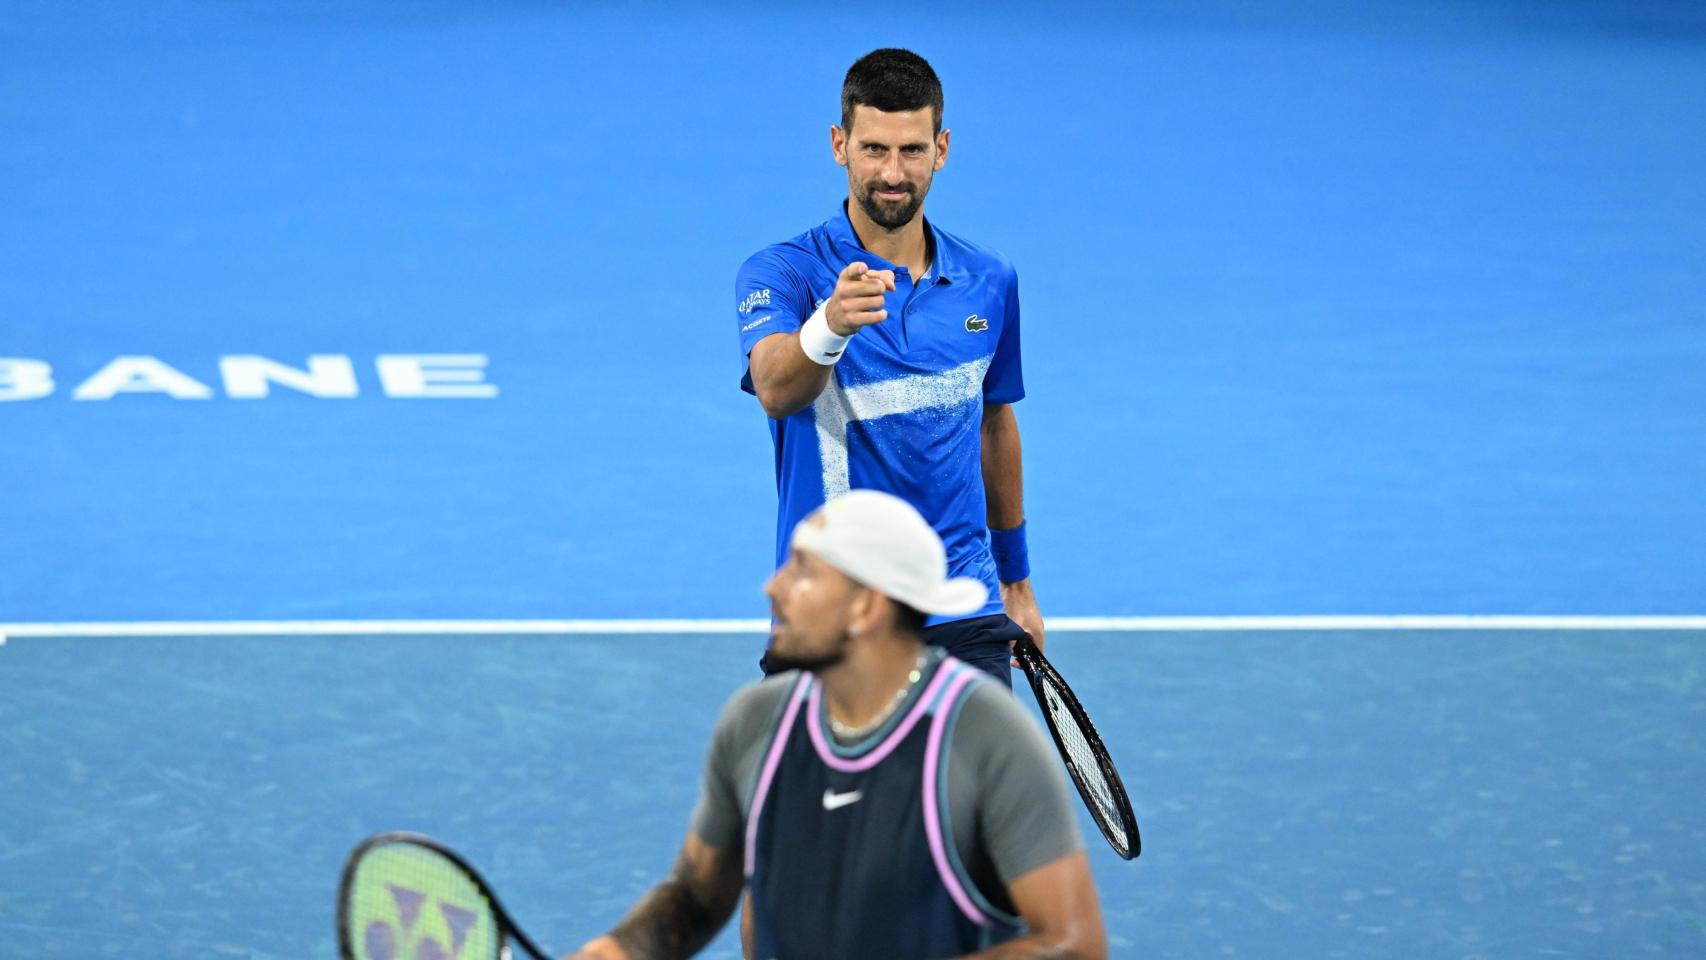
(886, 352)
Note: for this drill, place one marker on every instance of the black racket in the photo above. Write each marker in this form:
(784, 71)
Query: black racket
(1087, 760)
(407, 897)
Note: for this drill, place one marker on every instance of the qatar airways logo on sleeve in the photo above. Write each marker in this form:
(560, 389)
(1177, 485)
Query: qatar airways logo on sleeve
(755, 300)
(330, 376)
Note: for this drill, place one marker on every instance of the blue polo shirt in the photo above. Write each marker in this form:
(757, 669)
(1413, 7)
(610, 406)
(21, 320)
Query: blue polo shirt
(903, 410)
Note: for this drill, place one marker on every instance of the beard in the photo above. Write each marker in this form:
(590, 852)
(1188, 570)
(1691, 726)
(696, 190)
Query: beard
(777, 661)
(890, 214)
(780, 662)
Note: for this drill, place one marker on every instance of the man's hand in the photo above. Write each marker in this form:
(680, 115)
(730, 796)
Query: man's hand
(604, 948)
(784, 377)
(1021, 606)
(858, 299)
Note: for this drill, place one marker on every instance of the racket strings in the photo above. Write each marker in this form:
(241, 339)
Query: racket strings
(1085, 764)
(408, 903)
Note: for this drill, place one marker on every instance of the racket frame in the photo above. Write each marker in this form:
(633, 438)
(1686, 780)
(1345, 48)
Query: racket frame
(1037, 668)
(507, 928)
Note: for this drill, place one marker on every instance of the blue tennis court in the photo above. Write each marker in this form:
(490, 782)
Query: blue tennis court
(1343, 795)
(321, 312)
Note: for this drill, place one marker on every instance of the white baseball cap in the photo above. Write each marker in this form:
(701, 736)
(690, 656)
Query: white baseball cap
(879, 540)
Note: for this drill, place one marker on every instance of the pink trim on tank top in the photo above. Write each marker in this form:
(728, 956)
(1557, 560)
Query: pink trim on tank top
(882, 750)
(771, 762)
(932, 806)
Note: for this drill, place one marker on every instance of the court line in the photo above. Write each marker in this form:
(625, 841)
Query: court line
(1266, 624)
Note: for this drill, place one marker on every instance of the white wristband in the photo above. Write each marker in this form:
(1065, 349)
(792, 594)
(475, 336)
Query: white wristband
(821, 344)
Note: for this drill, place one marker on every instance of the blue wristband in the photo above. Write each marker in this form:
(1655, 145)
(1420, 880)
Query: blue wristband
(1012, 559)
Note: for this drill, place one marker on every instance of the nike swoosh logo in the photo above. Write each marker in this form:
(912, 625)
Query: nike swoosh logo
(835, 801)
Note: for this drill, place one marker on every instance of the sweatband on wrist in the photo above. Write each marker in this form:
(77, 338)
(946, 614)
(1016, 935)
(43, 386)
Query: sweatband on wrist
(821, 344)
(1012, 559)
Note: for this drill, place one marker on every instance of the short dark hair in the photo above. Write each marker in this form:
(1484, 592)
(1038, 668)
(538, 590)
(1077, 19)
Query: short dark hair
(893, 81)
(908, 619)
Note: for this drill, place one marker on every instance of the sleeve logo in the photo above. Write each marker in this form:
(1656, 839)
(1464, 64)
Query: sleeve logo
(754, 300)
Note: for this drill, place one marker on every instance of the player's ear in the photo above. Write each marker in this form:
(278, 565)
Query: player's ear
(838, 144)
(863, 614)
(941, 150)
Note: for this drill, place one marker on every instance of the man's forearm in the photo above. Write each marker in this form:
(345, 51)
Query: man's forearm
(1033, 948)
(669, 923)
(1003, 469)
(679, 915)
(785, 379)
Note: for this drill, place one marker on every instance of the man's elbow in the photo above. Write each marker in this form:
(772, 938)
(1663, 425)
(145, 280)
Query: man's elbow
(778, 403)
(1080, 938)
(1092, 947)
(776, 406)
(1086, 947)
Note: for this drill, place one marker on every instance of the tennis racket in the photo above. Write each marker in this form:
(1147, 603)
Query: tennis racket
(407, 897)
(1087, 760)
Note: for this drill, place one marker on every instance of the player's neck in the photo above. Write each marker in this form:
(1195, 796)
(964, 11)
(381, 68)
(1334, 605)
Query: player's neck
(868, 683)
(906, 247)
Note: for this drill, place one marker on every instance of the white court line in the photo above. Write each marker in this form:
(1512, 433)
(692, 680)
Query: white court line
(309, 628)
(1382, 622)
(318, 628)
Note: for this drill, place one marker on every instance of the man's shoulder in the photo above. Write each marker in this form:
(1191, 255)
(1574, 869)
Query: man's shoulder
(988, 702)
(994, 729)
(790, 254)
(754, 707)
(974, 256)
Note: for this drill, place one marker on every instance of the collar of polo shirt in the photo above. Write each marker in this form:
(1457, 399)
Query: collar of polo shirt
(848, 249)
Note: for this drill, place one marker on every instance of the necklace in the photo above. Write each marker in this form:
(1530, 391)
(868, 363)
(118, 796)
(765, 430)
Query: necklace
(849, 732)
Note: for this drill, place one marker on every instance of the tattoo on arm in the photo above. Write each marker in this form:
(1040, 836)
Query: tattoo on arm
(1027, 949)
(685, 911)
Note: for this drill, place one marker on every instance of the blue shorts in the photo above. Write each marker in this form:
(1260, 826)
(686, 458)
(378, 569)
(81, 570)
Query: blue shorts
(983, 642)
